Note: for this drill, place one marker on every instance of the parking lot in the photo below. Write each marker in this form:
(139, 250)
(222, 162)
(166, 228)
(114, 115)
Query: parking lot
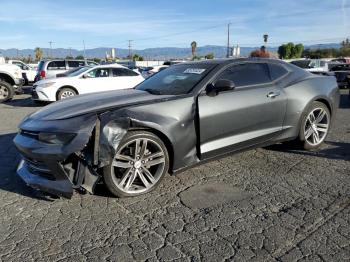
(270, 204)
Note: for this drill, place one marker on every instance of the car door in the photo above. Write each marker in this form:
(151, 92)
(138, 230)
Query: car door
(96, 80)
(250, 114)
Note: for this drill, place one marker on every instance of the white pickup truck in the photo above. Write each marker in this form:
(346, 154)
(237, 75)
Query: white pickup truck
(11, 80)
(29, 71)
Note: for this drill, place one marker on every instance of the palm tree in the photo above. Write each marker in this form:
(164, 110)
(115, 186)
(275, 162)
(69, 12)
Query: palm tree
(38, 53)
(193, 47)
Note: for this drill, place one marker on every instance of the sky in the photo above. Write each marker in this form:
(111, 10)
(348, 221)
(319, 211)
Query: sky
(176, 23)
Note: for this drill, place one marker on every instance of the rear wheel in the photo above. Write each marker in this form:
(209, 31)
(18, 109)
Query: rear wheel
(6, 91)
(314, 126)
(139, 165)
(65, 93)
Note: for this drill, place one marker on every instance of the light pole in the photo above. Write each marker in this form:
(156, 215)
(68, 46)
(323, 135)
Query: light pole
(228, 40)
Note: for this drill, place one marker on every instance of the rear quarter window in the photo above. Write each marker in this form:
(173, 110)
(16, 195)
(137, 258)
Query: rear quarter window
(56, 65)
(277, 71)
(75, 64)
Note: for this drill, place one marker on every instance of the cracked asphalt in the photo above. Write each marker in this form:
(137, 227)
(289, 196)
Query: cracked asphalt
(272, 204)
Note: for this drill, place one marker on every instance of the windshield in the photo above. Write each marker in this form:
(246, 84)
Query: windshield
(176, 80)
(80, 71)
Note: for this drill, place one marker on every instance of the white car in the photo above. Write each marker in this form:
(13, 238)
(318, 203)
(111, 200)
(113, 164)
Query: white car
(86, 80)
(27, 69)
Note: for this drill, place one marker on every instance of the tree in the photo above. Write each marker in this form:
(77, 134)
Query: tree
(137, 57)
(80, 57)
(29, 59)
(38, 53)
(193, 48)
(69, 57)
(298, 50)
(209, 56)
(289, 51)
(345, 43)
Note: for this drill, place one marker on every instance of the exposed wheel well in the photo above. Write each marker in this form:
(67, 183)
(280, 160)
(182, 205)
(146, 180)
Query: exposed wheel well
(71, 87)
(7, 78)
(165, 140)
(324, 101)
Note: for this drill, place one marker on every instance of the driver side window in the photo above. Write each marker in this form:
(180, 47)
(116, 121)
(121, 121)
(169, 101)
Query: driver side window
(247, 74)
(99, 72)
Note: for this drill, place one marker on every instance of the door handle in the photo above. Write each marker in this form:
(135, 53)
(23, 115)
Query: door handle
(273, 94)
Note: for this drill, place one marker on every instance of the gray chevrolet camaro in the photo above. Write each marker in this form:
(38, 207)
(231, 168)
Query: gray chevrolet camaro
(181, 116)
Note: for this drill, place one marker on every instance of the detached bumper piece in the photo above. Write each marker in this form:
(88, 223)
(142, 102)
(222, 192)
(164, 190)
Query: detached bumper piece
(37, 176)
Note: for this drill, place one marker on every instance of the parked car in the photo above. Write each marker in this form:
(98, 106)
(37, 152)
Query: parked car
(49, 68)
(151, 70)
(328, 68)
(11, 81)
(28, 72)
(178, 118)
(86, 80)
(342, 73)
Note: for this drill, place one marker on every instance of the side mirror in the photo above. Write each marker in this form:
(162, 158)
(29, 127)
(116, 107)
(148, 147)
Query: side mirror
(220, 86)
(86, 76)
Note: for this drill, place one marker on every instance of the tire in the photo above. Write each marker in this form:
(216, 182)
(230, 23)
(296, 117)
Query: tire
(314, 127)
(6, 91)
(66, 93)
(131, 174)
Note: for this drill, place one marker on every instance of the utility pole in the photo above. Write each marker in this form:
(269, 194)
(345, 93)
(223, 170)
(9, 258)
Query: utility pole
(70, 51)
(84, 49)
(50, 48)
(130, 58)
(228, 40)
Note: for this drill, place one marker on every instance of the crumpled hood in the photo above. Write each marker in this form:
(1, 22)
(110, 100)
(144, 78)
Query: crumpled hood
(96, 102)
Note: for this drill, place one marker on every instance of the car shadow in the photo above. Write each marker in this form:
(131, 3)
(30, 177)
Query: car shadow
(344, 100)
(22, 102)
(330, 150)
(9, 180)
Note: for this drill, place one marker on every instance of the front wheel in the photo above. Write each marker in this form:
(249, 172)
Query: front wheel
(65, 93)
(6, 91)
(139, 165)
(314, 126)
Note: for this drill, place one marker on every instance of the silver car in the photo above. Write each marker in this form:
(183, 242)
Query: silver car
(49, 68)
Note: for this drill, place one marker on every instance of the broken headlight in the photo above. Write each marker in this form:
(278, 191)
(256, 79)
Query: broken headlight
(56, 138)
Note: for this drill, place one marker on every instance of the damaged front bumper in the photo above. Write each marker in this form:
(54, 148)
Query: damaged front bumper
(37, 179)
(55, 168)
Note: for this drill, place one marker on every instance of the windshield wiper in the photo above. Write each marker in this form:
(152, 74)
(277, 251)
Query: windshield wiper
(152, 91)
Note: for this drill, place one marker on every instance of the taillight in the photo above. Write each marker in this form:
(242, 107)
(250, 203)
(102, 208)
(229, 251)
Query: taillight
(42, 73)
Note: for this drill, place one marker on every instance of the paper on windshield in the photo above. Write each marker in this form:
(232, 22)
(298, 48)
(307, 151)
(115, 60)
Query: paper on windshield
(197, 71)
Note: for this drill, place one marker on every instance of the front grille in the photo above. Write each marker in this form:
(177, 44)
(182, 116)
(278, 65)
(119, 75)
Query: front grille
(39, 168)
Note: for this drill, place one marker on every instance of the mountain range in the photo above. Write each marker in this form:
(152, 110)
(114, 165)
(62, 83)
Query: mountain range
(159, 53)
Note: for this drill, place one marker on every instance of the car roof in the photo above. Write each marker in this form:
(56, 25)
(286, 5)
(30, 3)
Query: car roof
(111, 65)
(223, 61)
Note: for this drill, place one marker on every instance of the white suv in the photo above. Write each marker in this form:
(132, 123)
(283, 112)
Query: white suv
(86, 80)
